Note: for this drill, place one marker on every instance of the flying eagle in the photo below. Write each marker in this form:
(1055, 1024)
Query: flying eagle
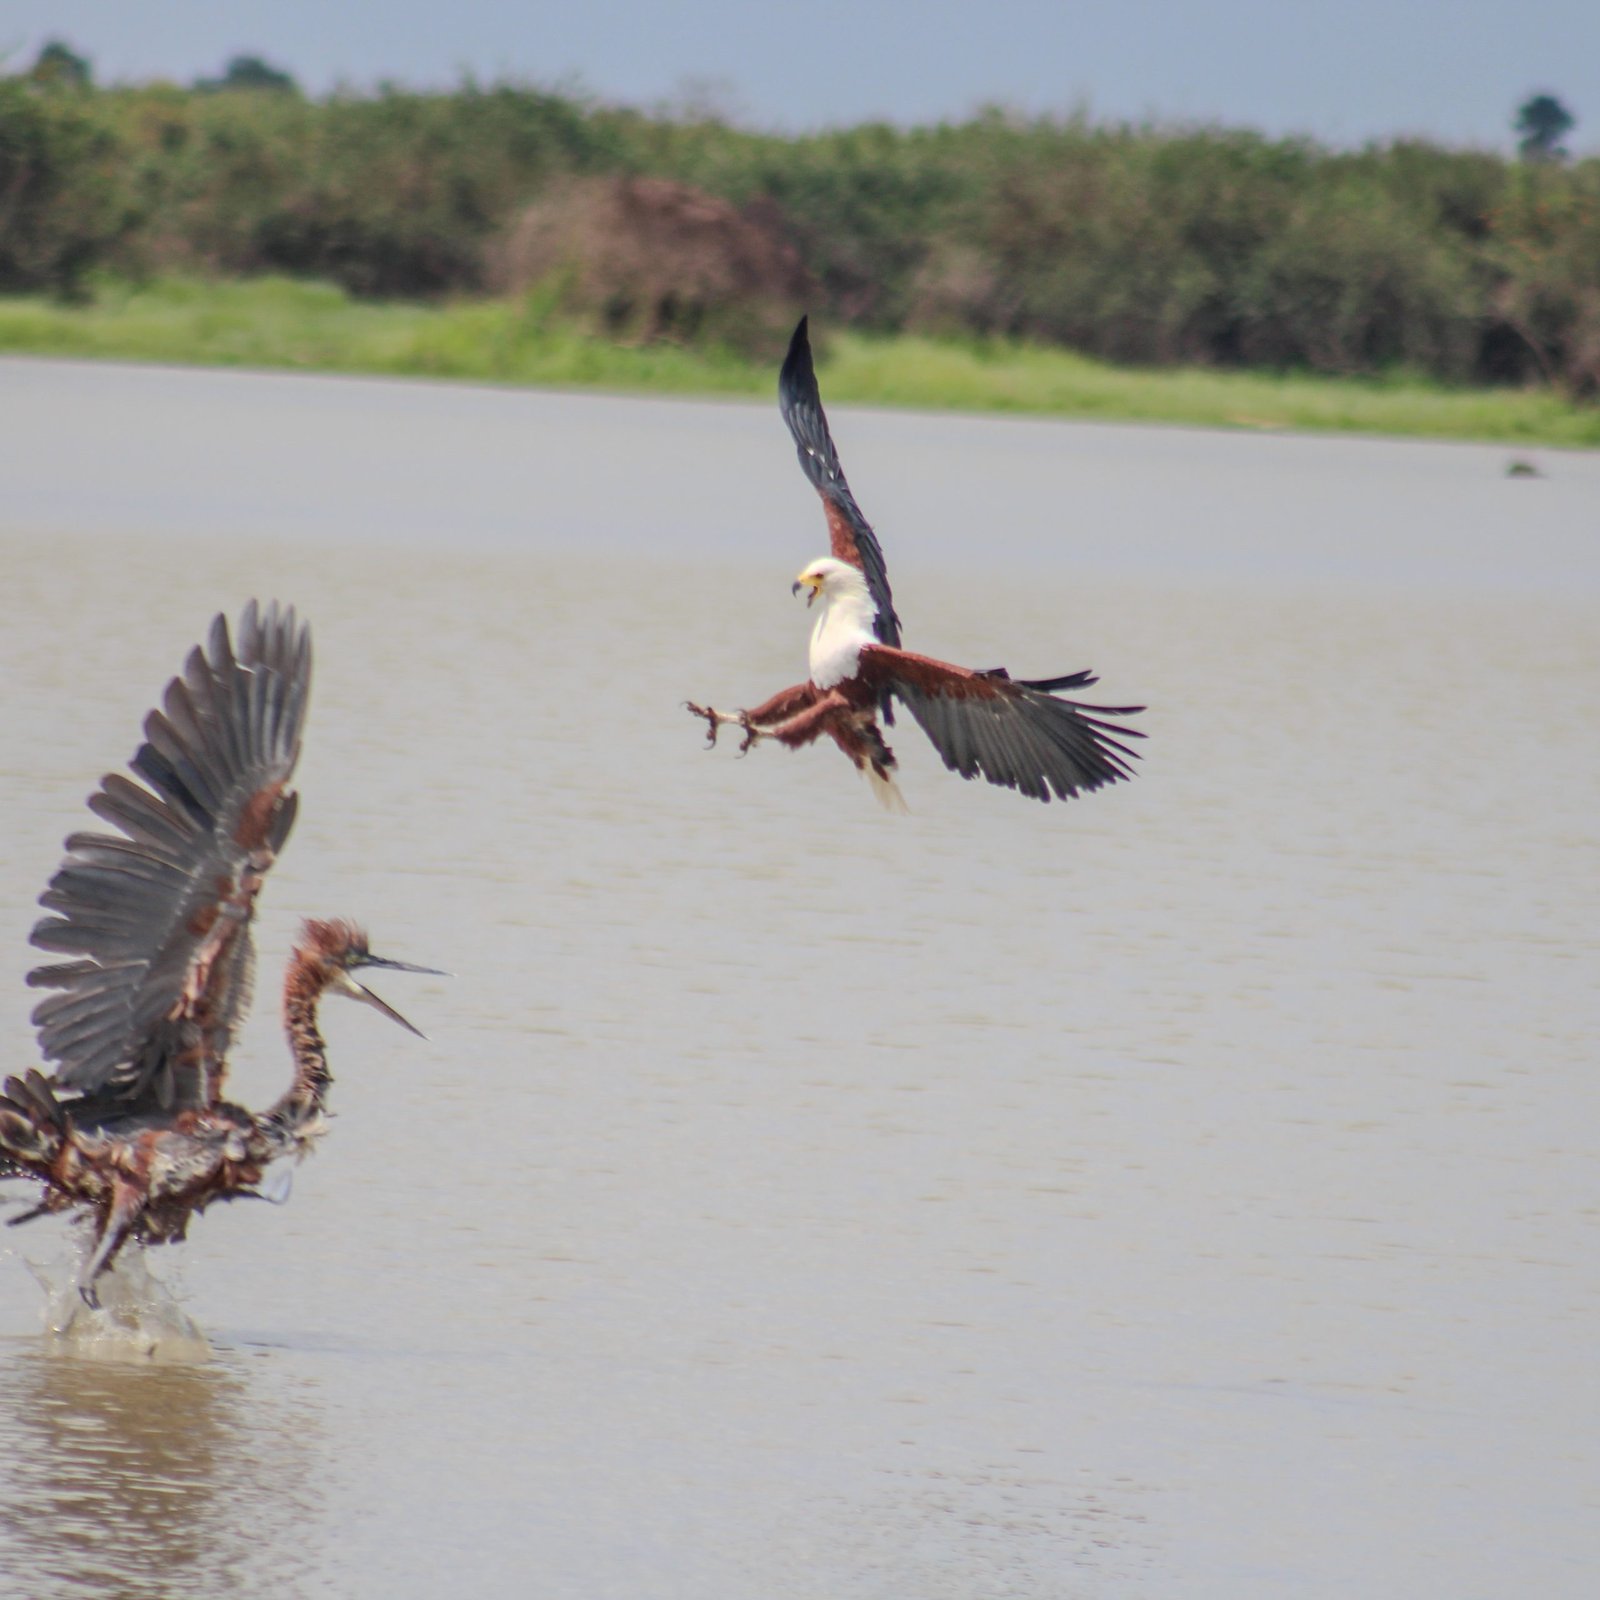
(1017, 732)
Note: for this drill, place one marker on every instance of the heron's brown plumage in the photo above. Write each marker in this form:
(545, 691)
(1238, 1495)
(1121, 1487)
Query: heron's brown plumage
(133, 1128)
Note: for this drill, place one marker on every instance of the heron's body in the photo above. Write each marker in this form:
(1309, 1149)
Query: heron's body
(133, 1127)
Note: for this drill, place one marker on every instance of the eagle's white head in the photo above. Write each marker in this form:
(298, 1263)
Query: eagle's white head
(844, 620)
(834, 581)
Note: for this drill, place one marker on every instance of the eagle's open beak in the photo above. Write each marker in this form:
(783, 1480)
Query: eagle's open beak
(810, 585)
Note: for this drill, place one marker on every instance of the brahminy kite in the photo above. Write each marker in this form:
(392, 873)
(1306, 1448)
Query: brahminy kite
(1017, 732)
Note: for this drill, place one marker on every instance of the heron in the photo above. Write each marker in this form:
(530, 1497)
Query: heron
(134, 1127)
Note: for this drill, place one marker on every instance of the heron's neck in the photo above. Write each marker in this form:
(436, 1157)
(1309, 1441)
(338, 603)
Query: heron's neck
(844, 626)
(311, 1076)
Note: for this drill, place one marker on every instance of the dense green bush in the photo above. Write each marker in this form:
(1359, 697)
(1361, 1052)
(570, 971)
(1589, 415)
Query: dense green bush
(64, 205)
(1140, 244)
(390, 195)
(1545, 297)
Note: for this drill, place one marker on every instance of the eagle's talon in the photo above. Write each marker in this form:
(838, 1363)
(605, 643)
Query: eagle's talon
(716, 720)
(711, 720)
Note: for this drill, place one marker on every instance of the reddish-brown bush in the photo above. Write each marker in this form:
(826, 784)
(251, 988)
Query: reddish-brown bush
(650, 259)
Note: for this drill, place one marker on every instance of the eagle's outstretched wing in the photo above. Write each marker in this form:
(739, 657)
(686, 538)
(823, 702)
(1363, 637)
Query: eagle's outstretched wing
(155, 920)
(850, 534)
(1018, 733)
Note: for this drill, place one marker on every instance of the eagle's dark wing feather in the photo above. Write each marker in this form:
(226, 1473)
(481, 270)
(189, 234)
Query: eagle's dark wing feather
(850, 534)
(155, 920)
(1014, 732)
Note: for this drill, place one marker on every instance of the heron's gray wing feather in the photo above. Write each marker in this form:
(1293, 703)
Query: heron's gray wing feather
(154, 920)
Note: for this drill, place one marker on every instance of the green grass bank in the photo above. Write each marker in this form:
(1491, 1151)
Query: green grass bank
(282, 323)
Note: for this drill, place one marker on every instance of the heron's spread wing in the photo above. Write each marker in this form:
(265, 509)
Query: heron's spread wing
(155, 920)
(850, 534)
(1015, 732)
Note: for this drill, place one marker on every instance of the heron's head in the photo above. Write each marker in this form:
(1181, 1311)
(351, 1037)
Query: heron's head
(335, 951)
(831, 579)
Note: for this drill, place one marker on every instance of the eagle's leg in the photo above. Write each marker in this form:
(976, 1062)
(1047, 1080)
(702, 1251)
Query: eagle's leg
(798, 724)
(763, 721)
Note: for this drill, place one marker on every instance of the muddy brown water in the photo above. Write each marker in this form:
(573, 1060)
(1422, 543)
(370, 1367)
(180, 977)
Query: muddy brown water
(1186, 1192)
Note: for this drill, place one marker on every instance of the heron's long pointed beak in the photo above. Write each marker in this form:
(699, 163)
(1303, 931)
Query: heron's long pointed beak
(402, 966)
(359, 991)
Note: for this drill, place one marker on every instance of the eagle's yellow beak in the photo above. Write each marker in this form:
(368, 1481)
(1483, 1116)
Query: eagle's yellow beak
(810, 582)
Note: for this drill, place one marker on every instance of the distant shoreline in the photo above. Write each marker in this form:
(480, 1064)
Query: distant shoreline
(307, 327)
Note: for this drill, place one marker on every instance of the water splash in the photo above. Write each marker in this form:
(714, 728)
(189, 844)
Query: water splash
(139, 1319)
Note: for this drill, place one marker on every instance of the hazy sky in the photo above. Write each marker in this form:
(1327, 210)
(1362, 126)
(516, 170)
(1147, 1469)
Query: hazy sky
(1343, 70)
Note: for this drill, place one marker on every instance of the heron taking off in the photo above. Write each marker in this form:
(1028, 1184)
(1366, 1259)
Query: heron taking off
(154, 925)
(1019, 733)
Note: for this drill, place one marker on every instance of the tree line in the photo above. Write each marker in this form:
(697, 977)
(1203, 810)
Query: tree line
(1142, 244)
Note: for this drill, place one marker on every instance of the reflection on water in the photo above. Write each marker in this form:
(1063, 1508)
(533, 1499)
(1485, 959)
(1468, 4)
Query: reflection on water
(150, 1481)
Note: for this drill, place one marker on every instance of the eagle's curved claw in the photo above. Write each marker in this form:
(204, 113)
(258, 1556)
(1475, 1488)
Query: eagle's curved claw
(716, 719)
(712, 719)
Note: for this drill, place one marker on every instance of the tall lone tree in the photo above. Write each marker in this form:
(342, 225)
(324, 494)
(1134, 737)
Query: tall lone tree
(1542, 123)
(59, 66)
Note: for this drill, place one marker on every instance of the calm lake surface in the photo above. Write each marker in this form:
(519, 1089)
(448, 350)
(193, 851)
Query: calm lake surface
(1189, 1191)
